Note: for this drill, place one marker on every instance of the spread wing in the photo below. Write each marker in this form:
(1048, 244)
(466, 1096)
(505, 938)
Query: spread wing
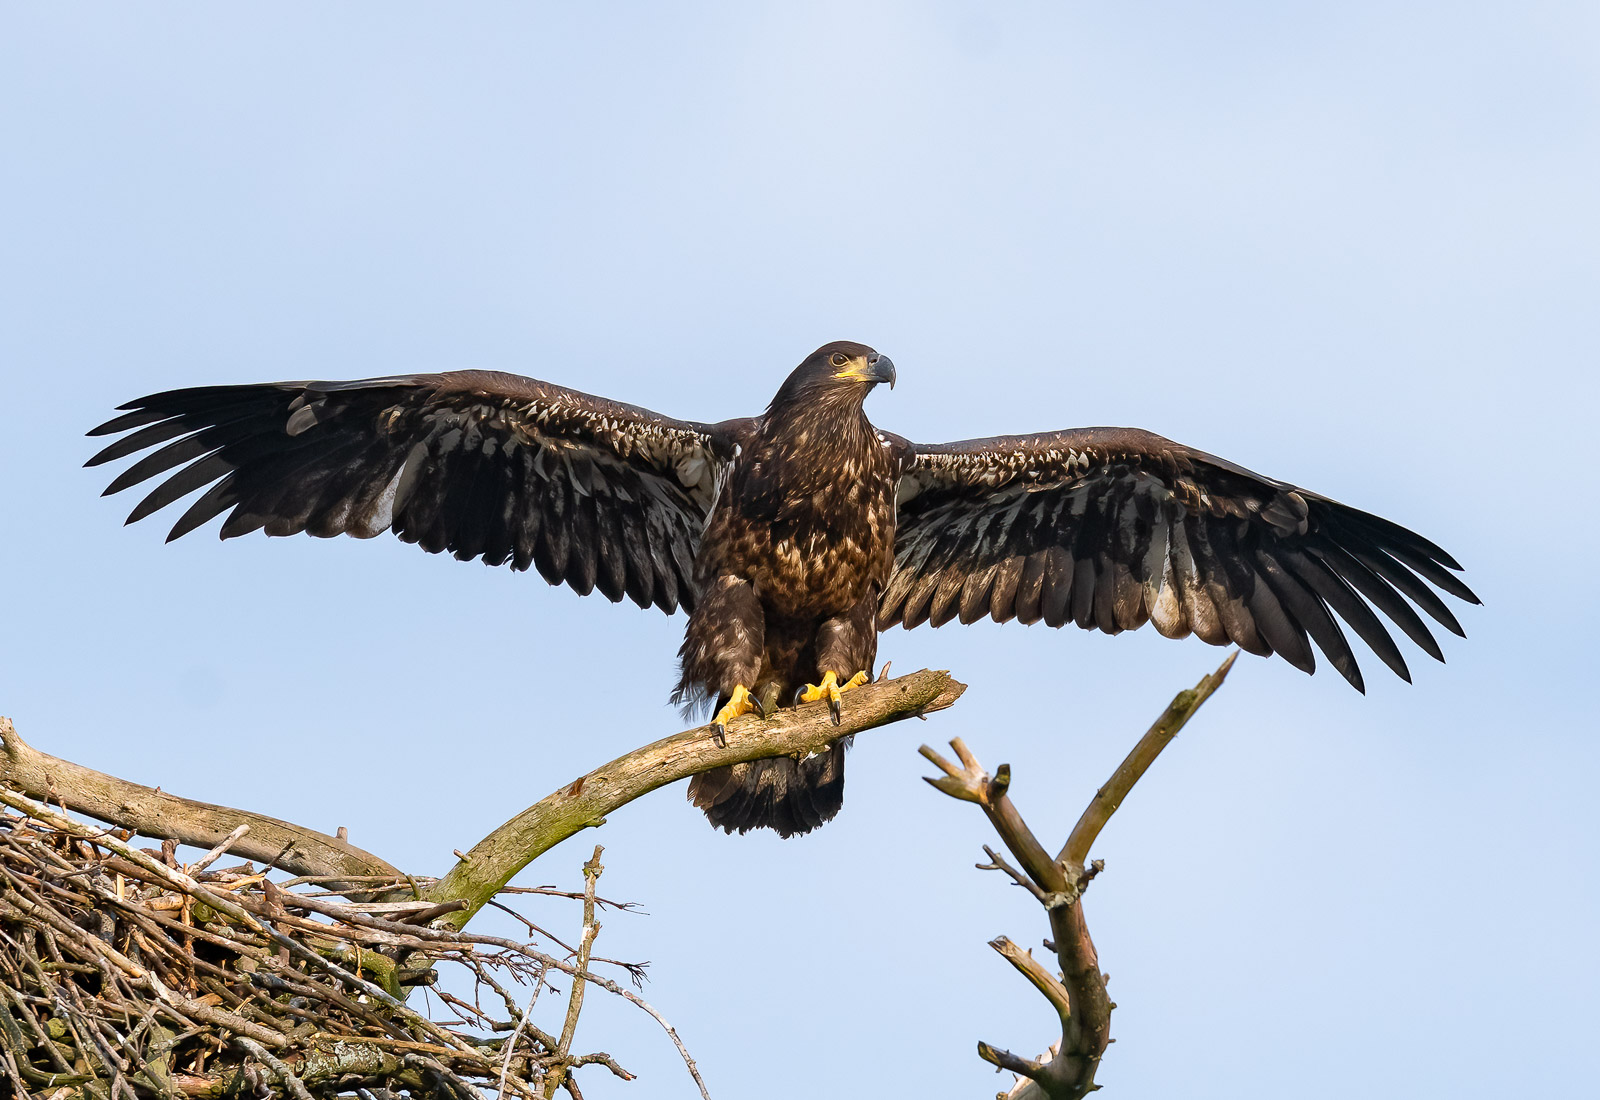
(1110, 528)
(593, 493)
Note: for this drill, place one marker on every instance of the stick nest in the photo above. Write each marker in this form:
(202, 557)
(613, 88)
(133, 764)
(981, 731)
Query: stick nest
(125, 974)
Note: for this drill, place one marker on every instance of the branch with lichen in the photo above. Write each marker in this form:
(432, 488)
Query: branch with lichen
(491, 863)
(585, 802)
(1077, 992)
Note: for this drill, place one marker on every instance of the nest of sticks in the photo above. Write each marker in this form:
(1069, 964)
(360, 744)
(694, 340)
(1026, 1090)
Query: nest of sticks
(126, 974)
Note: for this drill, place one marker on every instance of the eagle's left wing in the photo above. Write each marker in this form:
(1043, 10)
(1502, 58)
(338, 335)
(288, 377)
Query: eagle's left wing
(1110, 528)
(591, 492)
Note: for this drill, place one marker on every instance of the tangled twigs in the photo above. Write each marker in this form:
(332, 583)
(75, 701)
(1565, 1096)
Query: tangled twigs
(126, 977)
(1078, 992)
(140, 977)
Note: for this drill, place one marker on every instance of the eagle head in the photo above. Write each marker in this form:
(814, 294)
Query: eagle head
(843, 371)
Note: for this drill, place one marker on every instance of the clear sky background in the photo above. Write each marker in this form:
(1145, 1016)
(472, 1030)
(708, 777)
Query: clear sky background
(1353, 246)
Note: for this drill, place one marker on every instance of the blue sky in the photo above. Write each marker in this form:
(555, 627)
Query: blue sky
(1350, 246)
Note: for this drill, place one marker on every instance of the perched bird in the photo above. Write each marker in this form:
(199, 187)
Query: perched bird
(794, 537)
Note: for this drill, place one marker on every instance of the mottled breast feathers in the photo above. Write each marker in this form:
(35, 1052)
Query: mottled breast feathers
(809, 518)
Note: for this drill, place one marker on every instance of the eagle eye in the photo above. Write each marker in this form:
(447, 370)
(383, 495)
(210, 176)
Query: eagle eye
(839, 358)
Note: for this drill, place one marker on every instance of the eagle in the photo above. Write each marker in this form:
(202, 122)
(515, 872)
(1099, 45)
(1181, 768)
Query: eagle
(794, 537)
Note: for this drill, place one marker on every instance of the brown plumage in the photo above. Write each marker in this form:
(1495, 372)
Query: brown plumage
(792, 566)
(794, 537)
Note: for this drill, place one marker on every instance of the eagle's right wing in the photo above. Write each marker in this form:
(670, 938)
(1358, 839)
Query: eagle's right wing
(591, 492)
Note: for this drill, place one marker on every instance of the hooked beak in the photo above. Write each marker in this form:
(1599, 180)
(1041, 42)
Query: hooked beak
(880, 368)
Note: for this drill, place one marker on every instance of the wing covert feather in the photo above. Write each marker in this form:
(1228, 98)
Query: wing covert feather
(590, 492)
(1110, 528)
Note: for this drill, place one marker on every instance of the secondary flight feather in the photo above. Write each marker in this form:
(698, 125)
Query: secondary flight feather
(792, 538)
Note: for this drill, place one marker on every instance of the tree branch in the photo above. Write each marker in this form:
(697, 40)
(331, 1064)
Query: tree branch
(161, 816)
(1078, 995)
(1036, 973)
(585, 802)
(970, 783)
(1157, 737)
(591, 928)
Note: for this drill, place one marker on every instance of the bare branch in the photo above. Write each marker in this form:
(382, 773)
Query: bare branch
(585, 802)
(971, 783)
(154, 813)
(286, 1075)
(591, 879)
(1109, 797)
(220, 850)
(1078, 995)
(997, 862)
(1044, 981)
(997, 1056)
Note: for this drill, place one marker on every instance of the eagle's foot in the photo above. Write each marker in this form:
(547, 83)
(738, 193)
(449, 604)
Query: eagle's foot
(831, 689)
(740, 702)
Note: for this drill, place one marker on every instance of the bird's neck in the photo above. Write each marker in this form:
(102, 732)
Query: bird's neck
(819, 427)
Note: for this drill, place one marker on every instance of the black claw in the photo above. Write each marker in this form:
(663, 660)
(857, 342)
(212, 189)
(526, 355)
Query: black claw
(719, 734)
(833, 708)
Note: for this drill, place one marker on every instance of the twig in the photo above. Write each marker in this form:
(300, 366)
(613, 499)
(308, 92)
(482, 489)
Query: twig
(591, 877)
(970, 783)
(997, 862)
(221, 849)
(522, 1022)
(1160, 734)
(672, 1032)
(576, 895)
(268, 1059)
(1044, 981)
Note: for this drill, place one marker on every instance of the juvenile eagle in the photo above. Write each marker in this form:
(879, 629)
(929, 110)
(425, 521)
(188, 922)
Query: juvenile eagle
(794, 537)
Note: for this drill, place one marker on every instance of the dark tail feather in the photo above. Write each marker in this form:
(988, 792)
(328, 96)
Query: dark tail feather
(778, 794)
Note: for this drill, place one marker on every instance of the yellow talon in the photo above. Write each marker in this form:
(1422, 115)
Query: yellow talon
(740, 702)
(830, 689)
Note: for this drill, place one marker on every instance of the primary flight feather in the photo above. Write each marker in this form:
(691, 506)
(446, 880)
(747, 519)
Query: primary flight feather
(794, 537)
